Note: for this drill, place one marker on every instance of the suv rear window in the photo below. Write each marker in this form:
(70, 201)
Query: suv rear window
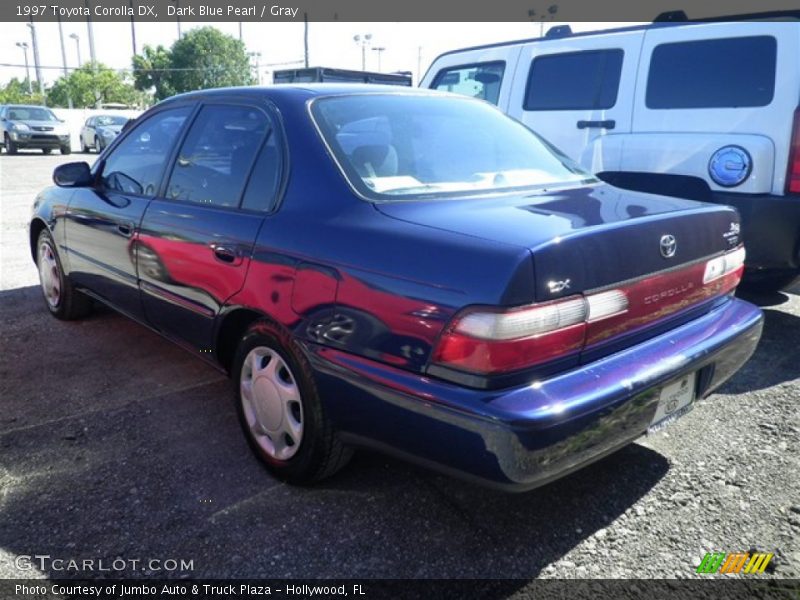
(478, 80)
(721, 73)
(574, 81)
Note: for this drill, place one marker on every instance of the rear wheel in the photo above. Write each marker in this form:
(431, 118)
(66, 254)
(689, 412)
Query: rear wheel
(11, 146)
(279, 408)
(62, 299)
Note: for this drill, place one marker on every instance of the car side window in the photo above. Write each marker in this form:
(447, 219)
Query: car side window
(215, 158)
(478, 80)
(135, 166)
(585, 80)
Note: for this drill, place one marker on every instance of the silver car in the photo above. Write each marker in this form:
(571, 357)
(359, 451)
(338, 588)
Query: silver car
(99, 131)
(23, 126)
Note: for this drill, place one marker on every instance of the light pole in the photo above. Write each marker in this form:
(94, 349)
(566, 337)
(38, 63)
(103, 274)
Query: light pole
(24, 46)
(36, 64)
(379, 50)
(77, 39)
(177, 4)
(363, 41)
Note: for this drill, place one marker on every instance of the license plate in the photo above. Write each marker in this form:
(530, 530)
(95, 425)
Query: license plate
(674, 400)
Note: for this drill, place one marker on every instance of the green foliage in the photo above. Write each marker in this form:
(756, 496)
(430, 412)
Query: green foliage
(16, 92)
(203, 58)
(151, 71)
(89, 86)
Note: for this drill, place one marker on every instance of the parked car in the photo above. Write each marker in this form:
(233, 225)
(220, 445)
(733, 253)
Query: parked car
(411, 271)
(701, 110)
(37, 127)
(100, 130)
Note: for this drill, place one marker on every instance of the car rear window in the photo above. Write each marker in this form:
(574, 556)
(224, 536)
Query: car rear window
(719, 73)
(585, 80)
(477, 80)
(403, 146)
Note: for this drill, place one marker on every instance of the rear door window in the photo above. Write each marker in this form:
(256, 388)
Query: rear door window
(478, 80)
(586, 80)
(217, 154)
(719, 73)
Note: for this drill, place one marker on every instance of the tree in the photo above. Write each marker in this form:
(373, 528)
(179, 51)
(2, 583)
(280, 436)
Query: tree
(151, 70)
(203, 58)
(16, 92)
(91, 85)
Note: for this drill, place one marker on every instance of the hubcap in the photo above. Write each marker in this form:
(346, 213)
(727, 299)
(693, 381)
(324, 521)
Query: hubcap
(49, 275)
(271, 403)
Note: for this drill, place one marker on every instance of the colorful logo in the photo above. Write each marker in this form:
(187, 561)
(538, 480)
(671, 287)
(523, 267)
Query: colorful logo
(741, 562)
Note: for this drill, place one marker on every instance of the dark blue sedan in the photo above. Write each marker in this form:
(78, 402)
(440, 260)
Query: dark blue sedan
(406, 270)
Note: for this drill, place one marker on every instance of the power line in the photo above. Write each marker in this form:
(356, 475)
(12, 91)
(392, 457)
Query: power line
(151, 70)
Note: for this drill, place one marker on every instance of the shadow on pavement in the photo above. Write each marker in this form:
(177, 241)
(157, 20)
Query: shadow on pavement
(115, 443)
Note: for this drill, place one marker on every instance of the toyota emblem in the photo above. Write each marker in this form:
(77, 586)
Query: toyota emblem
(668, 246)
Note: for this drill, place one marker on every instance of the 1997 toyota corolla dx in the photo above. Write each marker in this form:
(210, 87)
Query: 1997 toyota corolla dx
(411, 271)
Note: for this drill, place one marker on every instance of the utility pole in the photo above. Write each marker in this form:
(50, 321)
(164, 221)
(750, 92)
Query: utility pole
(64, 59)
(24, 46)
(419, 64)
(305, 38)
(133, 28)
(240, 32)
(36, 64)
(177, 4)
(90, 31)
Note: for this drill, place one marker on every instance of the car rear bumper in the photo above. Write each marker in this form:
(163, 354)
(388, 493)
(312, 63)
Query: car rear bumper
(770, 229)
(526, 436)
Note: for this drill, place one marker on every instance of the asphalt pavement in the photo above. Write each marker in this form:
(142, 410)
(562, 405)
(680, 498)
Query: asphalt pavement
(116, 445)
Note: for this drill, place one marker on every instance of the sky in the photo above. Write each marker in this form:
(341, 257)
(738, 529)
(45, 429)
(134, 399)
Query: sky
(408, 46)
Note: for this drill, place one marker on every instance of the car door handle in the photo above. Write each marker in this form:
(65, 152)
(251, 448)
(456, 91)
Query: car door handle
(609, 124)
(226, 254)
(125, 229)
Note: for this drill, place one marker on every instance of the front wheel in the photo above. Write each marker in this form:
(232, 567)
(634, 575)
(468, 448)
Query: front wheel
(279, 408)
(46, 150)
(11, 146)
(62, 300)
(66, 149)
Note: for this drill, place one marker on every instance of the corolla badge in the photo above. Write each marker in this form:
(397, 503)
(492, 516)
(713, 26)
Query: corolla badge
(730, 166)
(668, 246)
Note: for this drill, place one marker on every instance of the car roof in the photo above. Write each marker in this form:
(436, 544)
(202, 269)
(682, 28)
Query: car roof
(304, 91)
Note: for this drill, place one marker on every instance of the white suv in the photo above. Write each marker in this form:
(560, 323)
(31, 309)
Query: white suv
(703, 110)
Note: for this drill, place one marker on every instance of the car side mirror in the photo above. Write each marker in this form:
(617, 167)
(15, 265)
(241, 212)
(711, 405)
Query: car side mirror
(74, 174)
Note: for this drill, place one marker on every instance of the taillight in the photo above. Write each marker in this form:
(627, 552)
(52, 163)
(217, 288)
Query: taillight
(496, 340)
(793, 171)
(491, 341)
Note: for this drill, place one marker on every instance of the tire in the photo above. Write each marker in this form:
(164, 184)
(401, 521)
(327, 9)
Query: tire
(768, 282)
(285, 402)
(66, 150)
(46, 150)
(11, 147)
(61, 298)
(84, 147)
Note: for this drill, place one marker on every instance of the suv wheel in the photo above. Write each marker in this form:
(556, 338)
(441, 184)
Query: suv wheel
(67, 149)
(11, 147)
(62, 300)
(280, 410)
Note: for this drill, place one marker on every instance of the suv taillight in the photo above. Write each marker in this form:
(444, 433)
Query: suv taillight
(488, 340)
(793, 172)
